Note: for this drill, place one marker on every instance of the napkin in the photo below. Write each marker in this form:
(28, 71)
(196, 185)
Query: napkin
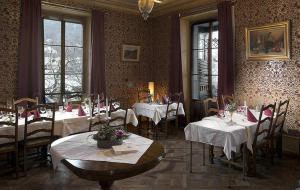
(69, 107)
(125, 149)
(165, 99)
(36, 114)
(250, 116)
(268, 112)
(23, 115)
(81, 111)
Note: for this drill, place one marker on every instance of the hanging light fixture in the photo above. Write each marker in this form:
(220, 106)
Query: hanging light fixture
(145, 7)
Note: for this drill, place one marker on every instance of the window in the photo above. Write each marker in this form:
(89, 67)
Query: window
(63, 59)
(204, 70)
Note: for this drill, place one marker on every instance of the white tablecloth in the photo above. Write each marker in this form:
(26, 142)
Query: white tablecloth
(83, 147)
(66, 123)
(221, 132)
(156, 111)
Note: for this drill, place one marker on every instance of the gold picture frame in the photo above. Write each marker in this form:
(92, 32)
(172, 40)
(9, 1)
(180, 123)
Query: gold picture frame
(131, 52)
(268, 42)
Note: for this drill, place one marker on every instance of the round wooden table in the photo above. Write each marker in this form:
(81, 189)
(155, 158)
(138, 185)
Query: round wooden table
(107, 172)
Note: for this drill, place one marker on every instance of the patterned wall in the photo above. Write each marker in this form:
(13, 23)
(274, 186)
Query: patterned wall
(123, 78)
(9, 39)
(257, 81)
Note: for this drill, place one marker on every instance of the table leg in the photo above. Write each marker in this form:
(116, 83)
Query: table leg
(244, 160)
(105, 185)
(191, 157)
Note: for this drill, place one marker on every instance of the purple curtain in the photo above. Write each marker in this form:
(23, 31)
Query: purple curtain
(29, 81)
(175, 80)
(226, 61)
(98, 62)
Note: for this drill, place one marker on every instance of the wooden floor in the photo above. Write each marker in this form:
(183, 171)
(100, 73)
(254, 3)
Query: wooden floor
(171, 173)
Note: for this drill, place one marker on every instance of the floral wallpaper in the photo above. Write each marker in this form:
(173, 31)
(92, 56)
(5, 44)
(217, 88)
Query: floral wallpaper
(274, 80)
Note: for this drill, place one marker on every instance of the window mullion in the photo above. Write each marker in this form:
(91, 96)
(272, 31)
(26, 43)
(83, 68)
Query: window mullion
(63, 54)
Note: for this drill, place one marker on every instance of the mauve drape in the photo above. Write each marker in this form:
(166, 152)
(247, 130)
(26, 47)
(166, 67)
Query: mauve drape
(98, 62)
(225, 61)
(175, 80)
(29, 81)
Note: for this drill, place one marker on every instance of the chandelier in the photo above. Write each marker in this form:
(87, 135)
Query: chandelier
(145, 7)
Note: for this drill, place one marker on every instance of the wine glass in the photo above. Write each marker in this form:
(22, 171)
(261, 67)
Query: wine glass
(20, 110)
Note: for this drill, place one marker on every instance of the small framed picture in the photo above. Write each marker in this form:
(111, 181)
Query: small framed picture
(131, 53)
(268, 42)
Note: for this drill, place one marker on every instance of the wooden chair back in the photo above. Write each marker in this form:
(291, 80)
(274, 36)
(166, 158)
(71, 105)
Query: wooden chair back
(211, 106)
(263, 131)
(12, 138)
(143, 95)
(96, 104)
(114, 105)
(74, 99)
(175, 98)
(280, 117)
(226, 99)
(27, 102)
(49, 118)
(96, 121)
(121, 118)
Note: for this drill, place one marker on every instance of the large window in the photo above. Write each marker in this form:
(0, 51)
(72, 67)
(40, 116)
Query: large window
(204, 60)
(63, 59)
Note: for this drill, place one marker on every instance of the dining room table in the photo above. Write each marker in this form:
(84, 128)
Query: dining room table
(227, 132)
(66, 123)
(156, 111)
(80, 154)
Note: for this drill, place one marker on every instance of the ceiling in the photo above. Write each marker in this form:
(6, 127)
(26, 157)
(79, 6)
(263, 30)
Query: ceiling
(167, 6)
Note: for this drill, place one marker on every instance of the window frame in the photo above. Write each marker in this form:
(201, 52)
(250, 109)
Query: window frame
(192, 74)
(65, 19)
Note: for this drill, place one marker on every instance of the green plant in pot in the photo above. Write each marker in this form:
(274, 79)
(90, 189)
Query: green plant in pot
(108, 136)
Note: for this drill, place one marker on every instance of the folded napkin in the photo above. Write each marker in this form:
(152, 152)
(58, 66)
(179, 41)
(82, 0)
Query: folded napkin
(69, 107)
(81, 111)
(23, 115)
(268, 112)
(36, 114)
(165, 99)
(250, 116)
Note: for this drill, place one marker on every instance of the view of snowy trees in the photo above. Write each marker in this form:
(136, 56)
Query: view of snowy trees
(62, 77)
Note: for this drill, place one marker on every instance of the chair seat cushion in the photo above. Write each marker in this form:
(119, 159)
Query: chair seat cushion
(7, 148)
(38, 142)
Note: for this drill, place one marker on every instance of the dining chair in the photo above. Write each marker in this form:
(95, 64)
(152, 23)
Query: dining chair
(211, 107)
(96, 122)
(277, 128)
(96, 106)
(25, 102)
(226, 99)
(114, 105)
(143, 95)
(74, 99)
(9, 142)
(262, 137)
(171, 113)
(117, 119)
(38, 130)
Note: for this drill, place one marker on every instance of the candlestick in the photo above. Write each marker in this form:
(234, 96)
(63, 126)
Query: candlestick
(90, 108)
(106, 108)
(98, 104)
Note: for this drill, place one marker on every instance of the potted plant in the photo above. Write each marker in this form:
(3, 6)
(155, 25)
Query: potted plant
(108, 136)
(231, 107)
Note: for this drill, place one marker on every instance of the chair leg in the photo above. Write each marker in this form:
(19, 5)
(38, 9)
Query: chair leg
(16, 164)
(25, 161)
(191, 157)
(279, 146)
(166, 126)
(211, 154)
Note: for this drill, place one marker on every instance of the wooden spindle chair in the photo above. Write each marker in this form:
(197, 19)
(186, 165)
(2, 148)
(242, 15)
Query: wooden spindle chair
(25, 102)
(9, 142)
(277, 128)
(262, 137)
(31, 131)
(226, 99)
(143, 95)
(118, 119)
(114, 105)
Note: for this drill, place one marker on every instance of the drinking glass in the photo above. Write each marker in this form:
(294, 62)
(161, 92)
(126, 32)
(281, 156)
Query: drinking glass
(61, 108)
(20, 110)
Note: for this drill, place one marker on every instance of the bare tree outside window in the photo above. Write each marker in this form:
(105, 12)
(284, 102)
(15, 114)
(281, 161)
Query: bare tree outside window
(63, 59)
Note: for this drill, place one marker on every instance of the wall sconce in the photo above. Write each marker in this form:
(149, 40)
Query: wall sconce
(151, 88)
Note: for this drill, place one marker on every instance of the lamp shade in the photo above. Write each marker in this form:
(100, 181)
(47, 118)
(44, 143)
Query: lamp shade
(151, 88)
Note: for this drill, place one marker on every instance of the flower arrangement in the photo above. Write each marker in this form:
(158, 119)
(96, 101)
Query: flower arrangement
(231, 107)
(108, 136)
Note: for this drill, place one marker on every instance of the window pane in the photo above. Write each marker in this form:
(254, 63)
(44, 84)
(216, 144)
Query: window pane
(214, 61)
(52, 84)
(199, 86)
(214, 85)
(52, 59)
(200, 36)
(52, 32)
(73, 83)
(73, 61)
(74, 34)
(52, 98)
(200, 62)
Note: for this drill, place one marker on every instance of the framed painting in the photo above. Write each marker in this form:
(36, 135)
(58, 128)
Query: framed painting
(131, 53)
(268, 42)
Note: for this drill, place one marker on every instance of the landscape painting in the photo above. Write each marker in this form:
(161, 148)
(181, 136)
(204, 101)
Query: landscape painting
(268, 42)
(130, 53)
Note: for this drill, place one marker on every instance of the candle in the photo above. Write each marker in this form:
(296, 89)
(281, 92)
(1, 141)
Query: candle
(90, 108)
(98, 104)
(106, 108)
